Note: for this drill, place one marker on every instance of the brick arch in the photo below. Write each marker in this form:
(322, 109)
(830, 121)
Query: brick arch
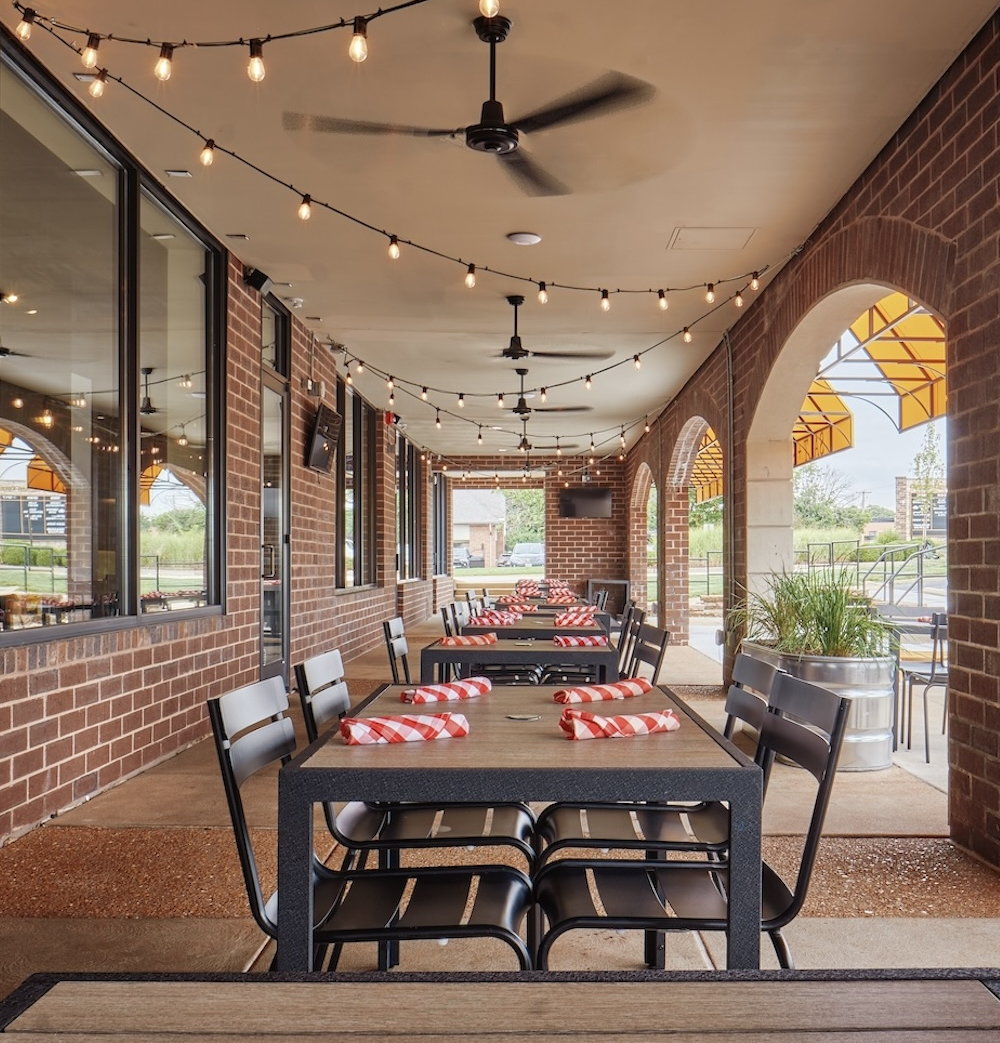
(842, 276)
(642, 483)
(685, 453)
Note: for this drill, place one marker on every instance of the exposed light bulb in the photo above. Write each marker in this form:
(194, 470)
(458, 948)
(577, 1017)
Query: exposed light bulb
(423, 394)
(755, 282)
(361, 366)
(489, 8)
(543, 294)
(305, 207)
(480, 438)
(183, 440)
(392, 398)
(605, 301)
(348, 379)
(389, 382)
(738, 299)
(461, 401)
(687, 336)
(558, 448)
(591, 444)
(393, 247)
(662, 299)
(255, 68)
(710, 293)
(207, 157)
(470, 276)
(46, 419)
(588, 382)
(17, 402)
(97, 85)
(89, 54)
(437, 420)
(23, 29)
(359, 41)
(637, 362)
(164, 64)
(500, 400)
(543, 393)
(645, 426)
(9, 298)
(185, 381)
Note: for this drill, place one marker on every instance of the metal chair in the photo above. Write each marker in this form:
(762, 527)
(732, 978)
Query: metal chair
(252, 733)
(387, 828)
(461, 612)
(932, 673)
(395, 643)
(656, 827)
(648, 649)
(805, 724)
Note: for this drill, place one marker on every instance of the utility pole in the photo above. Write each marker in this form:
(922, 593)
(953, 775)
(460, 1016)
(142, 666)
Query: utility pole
(864, 493)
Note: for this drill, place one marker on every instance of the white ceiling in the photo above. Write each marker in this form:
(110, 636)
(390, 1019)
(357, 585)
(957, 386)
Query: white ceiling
(763, 115)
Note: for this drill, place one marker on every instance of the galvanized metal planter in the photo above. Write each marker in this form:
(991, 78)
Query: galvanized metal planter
(869, 683)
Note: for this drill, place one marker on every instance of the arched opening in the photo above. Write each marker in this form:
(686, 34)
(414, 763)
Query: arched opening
(646, 595)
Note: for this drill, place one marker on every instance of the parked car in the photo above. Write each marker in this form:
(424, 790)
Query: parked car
(460, 558)
(527, 554)
(504, 560)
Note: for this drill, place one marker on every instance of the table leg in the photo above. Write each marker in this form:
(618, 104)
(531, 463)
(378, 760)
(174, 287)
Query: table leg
(295, 852)
(743, 929)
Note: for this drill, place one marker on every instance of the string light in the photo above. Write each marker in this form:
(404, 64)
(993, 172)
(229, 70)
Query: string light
(470, 276)
(89, 54)
(207, 157)
(543, 294)
(46, 419)
(543, 394)
(97, 85)
(348, 379)
(637, 362)
(390, 383)
(185, 381)
(588, 382)
(710, 293)
(23, 29)
(500, 400)
(621, 437)
(423, 394)
(393, 247)
(738, 299)
(489, 8)
(687, 336)
(605, 301)
(558, 447)
(359, 41)
(437, 419)
(645, 425)
(183, 439)
(164, 64)
(480, 438)
(305, 207)
(255, 67)
(461, 401)
(662, 299)
(591, 444)
(361, 366)
(755, 282)
(392, 398)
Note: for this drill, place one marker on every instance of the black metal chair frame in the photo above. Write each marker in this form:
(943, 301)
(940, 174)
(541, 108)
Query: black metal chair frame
(930, 674)
(395, 643)
(805, 724)
(650, 649)
(252, 732)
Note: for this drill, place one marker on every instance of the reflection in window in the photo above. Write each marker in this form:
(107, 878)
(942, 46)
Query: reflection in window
(409, 490)
(172, 415)
(356, 485)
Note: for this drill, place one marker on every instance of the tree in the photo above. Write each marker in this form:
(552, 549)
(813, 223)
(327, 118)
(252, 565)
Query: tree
(525, 516)
(705, 515)
(928, 476)
(822, 497)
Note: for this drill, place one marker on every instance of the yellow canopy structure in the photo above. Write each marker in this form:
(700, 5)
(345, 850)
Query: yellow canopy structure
(706, 475)
(824, 426)
(43, 478)
(146, 478)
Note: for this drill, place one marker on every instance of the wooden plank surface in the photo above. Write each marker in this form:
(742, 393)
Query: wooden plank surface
(498, 1011)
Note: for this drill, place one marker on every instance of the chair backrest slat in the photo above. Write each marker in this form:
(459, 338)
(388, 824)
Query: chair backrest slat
(395, 642)
(649, 649)
(322, 690)
(747, 697)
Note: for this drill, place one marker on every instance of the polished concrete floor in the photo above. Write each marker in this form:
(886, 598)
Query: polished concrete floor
(147, 879)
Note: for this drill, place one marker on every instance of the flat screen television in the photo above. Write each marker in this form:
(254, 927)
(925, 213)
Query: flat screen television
(321, 449)
(588, 502)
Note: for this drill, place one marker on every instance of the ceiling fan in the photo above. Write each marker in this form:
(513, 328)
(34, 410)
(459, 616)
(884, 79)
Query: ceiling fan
(526, 447)
(493, 133)
(523, 410)
(515, 351)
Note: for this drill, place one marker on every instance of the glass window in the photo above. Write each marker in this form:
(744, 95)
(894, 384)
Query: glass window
(439, 524)
(71, 516)
(356, 485)
(409, 490)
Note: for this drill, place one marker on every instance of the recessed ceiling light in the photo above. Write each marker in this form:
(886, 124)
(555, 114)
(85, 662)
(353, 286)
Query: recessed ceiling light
(163, 235)
(178, 173)
(237, 235)
(524, 238)
(314, 318)
(85, 77)
(32, 311)
(88, 172)
(198, 394)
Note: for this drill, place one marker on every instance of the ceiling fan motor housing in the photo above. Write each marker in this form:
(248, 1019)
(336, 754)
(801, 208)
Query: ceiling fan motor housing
(491, 133)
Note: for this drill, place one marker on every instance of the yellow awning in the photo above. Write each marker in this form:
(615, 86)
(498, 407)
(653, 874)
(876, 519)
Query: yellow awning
(906, 344)
(43, 478)
(146, 478)
(6, 439)
(706, 475)
(824, 426)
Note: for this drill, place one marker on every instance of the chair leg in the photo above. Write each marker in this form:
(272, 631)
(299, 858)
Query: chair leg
(781, 950)
(927, 728)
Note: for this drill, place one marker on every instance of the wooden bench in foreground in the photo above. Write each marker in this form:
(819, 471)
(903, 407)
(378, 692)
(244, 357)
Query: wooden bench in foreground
(751, 1007)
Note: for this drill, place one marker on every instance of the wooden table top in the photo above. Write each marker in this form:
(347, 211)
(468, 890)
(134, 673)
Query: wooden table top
(712, 1008)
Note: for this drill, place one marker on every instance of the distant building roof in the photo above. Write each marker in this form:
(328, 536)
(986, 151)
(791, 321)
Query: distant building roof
(478, 507)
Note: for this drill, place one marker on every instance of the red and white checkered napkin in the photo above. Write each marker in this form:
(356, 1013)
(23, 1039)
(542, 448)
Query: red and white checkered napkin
(513, 606)
(560, 599)
(495, 619)
(510, 599)
(573, 619)
(580, 640)
(468, 639)
(404, 727)
(581, 724)
(451, 691)
(596, 693)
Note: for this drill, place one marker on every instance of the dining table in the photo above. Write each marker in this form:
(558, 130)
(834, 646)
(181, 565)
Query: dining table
(535, 627)
(516, 751)
(437, 658)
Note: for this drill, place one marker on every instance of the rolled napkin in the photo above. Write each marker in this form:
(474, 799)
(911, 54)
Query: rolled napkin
(596, 693)
(494, 619)
(468, 639)
(560, 599)
(404, 727)
(573, 619)
(449, 692)
(580, 640)
(515, 607)
(581, 724)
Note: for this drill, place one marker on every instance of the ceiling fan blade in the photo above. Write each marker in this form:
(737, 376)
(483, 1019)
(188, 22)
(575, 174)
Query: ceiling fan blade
(561, 409)
(612, 91)
(529, 176)
(553, 448)
(335, 125)
(596, 356)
